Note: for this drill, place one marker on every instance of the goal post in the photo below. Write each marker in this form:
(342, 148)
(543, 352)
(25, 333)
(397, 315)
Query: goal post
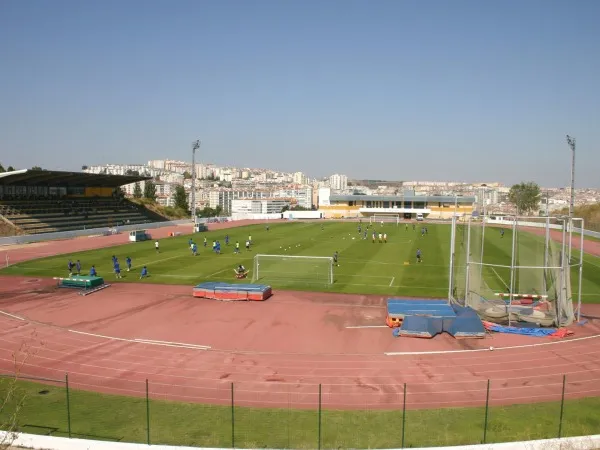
(293, 269)
(386, 218)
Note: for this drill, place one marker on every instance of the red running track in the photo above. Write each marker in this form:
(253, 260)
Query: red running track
(276, 352)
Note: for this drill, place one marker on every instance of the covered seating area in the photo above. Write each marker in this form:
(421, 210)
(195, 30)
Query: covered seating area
(39, 201)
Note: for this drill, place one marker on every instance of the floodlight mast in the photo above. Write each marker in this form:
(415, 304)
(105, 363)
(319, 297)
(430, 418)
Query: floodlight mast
(195, 146)
(571, 143)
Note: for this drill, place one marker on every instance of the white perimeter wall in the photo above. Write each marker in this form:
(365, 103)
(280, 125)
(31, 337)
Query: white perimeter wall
(57, 443)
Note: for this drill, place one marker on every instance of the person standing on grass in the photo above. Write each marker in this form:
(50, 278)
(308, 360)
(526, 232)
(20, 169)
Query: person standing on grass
(204, 241)
(194, 249)
(501, 233)
(419, 255)
(78, 267)
(128, 262)
(93, 272)
(118, 270)
(335, 259)
(380, 238)
(405, 227)
(144, 273)
(385, 238)
(226, 239)
(374, 236)
(250, 239)
(156, 247)
(248, 242)
(70, 267)
(237, 247)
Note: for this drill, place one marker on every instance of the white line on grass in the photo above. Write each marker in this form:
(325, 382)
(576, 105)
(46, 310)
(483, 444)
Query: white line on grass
(357, 327)
(500, 278)
(512, 347)
(392, 282)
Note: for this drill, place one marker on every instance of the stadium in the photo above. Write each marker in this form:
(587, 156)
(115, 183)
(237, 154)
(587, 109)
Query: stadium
(317, 364)
(403, 207)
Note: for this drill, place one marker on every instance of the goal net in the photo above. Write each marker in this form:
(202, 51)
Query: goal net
(515, 269)
(386, 218)
(293, 270)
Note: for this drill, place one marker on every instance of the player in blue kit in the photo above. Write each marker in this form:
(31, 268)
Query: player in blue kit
(117, 268)
(93, 272)
(419, 255)
(128, 262)
(78, 267)
(144, 273)
(70, 267)
(226, 239)
(194, 249)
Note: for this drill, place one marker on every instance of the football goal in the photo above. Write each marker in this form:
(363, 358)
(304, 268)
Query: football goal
(290, 270)
(386, 218)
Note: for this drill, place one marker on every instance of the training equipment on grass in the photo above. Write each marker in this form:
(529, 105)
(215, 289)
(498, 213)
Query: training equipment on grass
(386, 218)
(232, 292)
(86, 284)
(428, 318)
(288, 269)
(516, 269)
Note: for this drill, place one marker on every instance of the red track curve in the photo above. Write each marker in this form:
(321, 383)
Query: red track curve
(276, 352)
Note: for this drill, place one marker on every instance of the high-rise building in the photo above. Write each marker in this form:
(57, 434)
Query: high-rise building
(299, 178)
(338, 182)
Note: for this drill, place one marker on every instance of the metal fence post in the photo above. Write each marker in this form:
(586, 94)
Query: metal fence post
(403, 414)
(320, 411)
(562, 406)
(68, 405)
(232, 419)
(147, 413)
(487, 410)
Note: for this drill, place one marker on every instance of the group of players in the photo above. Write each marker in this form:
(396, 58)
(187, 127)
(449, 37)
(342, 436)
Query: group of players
(75, 268)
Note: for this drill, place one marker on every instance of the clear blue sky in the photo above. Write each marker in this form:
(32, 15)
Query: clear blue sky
(464, 90)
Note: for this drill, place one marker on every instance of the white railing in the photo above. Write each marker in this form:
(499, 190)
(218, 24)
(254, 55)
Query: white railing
(29, 238)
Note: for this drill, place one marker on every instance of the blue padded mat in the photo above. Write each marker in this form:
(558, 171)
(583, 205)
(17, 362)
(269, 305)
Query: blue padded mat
(430, 308)
(221, 286)
(423, 327)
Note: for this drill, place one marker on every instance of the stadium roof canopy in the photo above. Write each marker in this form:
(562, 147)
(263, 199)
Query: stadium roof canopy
(59, 178)
(407, 198)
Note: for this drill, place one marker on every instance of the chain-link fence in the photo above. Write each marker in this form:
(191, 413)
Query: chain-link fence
(288, 415)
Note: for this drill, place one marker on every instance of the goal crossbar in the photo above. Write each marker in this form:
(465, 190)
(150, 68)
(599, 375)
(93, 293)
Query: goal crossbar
(293, 269)
(385, 217)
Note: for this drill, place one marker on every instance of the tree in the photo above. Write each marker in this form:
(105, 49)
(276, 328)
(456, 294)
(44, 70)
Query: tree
(132, 172)
(180, 198)
(187, 175)
(218, 210)
(12, 397)
(36, 168)
(10, 169)
(2, 168)
(150, 190)
(525, 197)
(137, 191)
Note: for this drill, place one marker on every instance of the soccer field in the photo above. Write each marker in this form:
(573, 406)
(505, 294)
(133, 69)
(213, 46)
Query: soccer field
(387, 268)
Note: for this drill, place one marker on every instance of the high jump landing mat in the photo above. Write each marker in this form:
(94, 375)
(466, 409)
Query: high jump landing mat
(428, 318)
(232, 291)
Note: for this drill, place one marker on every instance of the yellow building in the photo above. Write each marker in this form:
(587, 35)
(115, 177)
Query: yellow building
(404, 206)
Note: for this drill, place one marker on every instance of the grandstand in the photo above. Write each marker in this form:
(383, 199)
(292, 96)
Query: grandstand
(43, 201)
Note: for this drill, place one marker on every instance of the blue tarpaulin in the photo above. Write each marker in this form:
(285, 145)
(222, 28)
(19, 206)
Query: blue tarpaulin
(538, 332)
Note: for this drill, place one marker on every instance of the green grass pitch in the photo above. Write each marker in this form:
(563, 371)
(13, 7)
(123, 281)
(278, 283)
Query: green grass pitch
(366, 268)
